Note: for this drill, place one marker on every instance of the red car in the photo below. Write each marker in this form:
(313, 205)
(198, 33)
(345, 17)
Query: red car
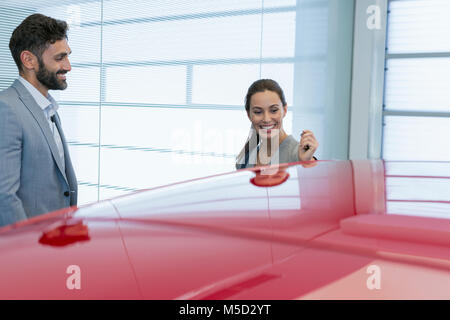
(323, 230)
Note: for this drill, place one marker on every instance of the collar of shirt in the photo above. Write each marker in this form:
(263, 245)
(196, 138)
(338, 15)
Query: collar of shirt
(48, 105)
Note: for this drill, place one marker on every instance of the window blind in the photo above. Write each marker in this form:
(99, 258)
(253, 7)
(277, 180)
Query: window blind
(10, 17)
(156, 89)
(417, 95)
(156, 92)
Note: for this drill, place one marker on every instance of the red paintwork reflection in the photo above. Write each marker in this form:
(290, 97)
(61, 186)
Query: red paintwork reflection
(271, 178)
(308, 231)
(66, 234)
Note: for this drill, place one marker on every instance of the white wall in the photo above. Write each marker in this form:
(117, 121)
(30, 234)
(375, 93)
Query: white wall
(368, 79)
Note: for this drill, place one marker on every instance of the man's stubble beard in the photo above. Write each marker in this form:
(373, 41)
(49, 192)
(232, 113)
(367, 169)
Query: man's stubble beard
(49, 79)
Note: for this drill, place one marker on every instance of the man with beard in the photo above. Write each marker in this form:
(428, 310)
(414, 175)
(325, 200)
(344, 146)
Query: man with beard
(36, 173)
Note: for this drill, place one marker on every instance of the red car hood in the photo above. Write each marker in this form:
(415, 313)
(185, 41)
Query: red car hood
(236, 235)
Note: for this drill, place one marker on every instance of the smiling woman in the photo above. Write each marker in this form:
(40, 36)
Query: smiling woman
(268, 143)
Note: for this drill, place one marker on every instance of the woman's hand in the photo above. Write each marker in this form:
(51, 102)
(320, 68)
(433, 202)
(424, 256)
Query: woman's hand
(308, 145)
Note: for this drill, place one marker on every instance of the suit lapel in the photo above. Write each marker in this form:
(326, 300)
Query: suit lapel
(39, 116)
(71, 178)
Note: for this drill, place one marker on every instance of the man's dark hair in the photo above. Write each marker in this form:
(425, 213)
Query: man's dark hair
(35, 34)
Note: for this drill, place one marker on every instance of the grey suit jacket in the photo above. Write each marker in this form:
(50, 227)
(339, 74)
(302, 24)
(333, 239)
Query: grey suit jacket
(32, 180)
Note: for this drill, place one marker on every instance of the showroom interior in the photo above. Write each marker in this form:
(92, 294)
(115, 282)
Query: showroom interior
(133, 164)
(156, 92)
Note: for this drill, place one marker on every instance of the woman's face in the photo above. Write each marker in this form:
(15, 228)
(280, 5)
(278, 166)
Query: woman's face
(266, 113)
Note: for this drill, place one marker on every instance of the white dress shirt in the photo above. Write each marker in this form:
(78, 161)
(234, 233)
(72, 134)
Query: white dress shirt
(49, 106)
